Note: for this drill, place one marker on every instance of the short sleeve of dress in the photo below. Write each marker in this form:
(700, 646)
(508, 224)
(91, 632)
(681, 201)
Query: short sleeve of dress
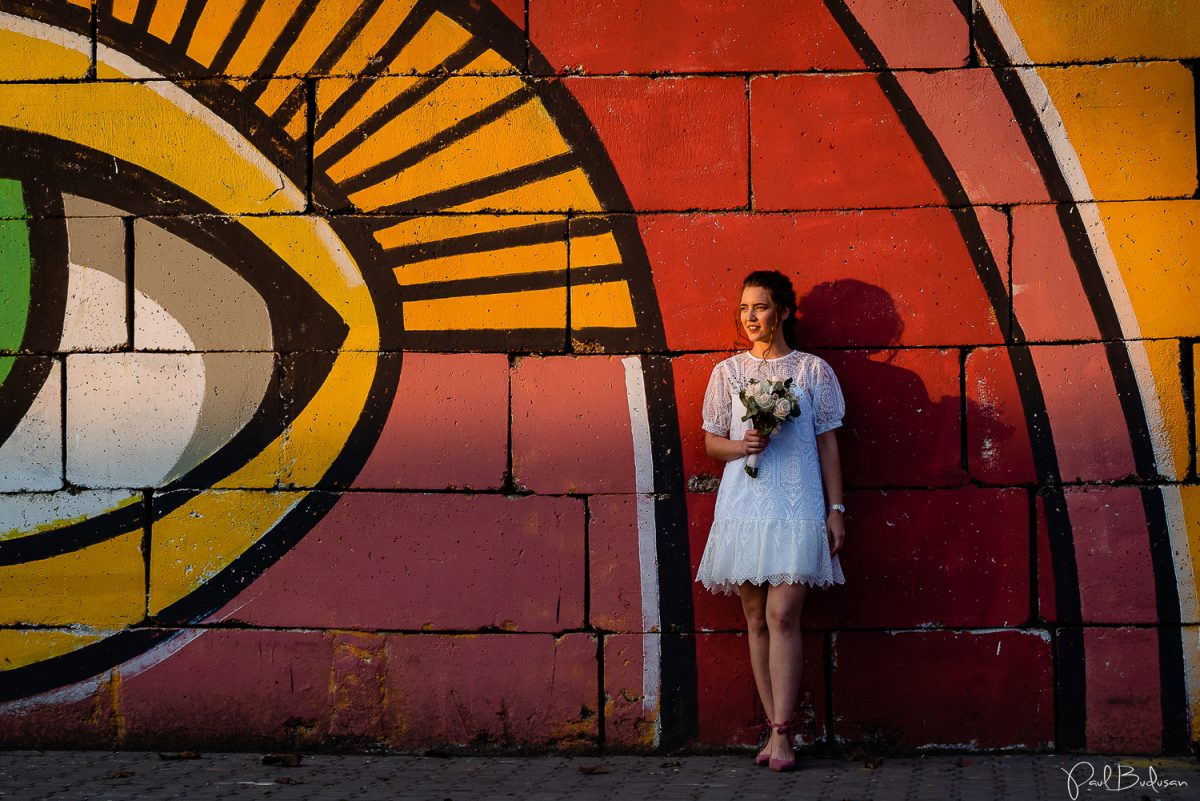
(829, 407)
(718, 406)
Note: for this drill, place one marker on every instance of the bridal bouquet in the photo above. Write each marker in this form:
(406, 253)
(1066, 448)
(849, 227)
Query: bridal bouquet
(768, 405)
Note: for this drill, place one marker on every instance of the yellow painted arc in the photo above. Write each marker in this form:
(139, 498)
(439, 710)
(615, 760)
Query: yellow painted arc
(528, 130)
(539, 258)
(21, 647)
(269, 22)
(17, 533)
(26, 57)
(212, 27)
(606, 305)
(101, 585)
(426, 230)
(595, 250)
(165, 19)
(454, 100)
(218, 526)
(568, 191)
(541, 308)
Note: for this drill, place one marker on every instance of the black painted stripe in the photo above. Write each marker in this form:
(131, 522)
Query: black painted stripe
(516, 282)
(1071, 719)
(1091, 277)
(141, 20)
(417, 153)
(538, 234)
(404, 33)
(74, 537)
(280, 47)
(187, 25)
(334, 51)
(235, 37)
(486, 187)
(394, 107)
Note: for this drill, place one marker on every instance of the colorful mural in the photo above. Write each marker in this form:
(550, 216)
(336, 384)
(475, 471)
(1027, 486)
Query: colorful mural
(351, 355)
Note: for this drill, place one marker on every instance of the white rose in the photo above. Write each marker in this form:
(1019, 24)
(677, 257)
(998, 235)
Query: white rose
(764, 401)
(783, 407)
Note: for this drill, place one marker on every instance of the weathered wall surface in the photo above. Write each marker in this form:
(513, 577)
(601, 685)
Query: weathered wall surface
(353, 354)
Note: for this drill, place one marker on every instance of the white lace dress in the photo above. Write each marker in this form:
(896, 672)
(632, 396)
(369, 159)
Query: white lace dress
(772, 528)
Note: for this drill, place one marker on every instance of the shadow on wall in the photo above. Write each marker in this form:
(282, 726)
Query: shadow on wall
(896, 434)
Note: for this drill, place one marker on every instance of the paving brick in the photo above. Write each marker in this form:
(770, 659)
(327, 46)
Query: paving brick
(1091, 438)
(969, 116)
(570, 425)
(384, 561)
(998, 444)
(990, 689)
(1048, 297)
(915, 34)
(447, 690)
(676, 143)
(933, 558)
(447, 427)
(903, 417)
(678, 36)
(1112, 557)
(614, 584)
(1124, 696)
(832, 142)
(277, 681)
(900, 271)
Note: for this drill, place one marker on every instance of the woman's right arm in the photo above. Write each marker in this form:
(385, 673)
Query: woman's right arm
(726, 450)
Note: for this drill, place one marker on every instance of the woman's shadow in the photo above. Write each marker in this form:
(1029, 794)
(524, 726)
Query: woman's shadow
(896, 434)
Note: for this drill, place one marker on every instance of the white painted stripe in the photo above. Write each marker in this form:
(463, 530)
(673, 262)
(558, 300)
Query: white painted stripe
(1081, 193)
(643, 466)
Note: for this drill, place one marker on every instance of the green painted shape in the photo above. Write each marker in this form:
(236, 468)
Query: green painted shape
(16, 268)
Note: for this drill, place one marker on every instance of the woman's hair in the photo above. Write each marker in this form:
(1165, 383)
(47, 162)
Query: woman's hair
(783, 295)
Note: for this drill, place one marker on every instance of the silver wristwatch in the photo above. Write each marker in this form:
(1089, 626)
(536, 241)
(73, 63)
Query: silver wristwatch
(838, 507)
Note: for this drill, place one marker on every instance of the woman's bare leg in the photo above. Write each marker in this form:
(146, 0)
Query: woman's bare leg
(785, 603)
(754, 606)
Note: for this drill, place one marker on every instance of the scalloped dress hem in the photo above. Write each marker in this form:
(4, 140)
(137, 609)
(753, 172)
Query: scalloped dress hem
(775, 551)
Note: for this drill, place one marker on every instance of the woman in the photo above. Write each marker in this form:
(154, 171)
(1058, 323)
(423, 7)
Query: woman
(776, 534)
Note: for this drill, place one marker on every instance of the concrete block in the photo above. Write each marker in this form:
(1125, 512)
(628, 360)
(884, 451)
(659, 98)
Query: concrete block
(915, 34)
(447, 690)
(570, 425)
(969, 116)
(692, 373)
(1103, 30)
(84, 719)
(31, 451)
(874, 279)
(1112, 556)
(711, 611)
(1049, 301)
(1132, 125)
(643, 123)
(447, 427)
(102, 584)
(942, 558)
(1124, 694)
(95, 317)
(384, 561)
(650, 36)
(1091, 437)
(26, 56)
(903, 417)
(615, 572)
(358, 687)
(984, 690)
(630, 707)
(240, 689)
(998, 444)
(832, 142)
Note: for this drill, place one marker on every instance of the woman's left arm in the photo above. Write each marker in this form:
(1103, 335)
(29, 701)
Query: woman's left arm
(831, 474)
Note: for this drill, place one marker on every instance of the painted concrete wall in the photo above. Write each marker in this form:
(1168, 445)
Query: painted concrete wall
(355, 351)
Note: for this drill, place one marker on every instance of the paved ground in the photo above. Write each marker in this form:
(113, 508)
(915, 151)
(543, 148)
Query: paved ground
(149, 777)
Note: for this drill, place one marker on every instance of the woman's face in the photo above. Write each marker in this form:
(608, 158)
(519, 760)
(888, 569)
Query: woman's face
(759, 316)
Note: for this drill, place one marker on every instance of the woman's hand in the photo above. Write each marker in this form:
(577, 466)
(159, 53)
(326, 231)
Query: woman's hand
(836, 526)
(755, 442)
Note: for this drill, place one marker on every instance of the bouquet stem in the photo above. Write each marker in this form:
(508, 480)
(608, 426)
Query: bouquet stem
(752, 465)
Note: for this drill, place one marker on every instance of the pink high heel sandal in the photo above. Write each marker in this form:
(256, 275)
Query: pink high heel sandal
(781, 765)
